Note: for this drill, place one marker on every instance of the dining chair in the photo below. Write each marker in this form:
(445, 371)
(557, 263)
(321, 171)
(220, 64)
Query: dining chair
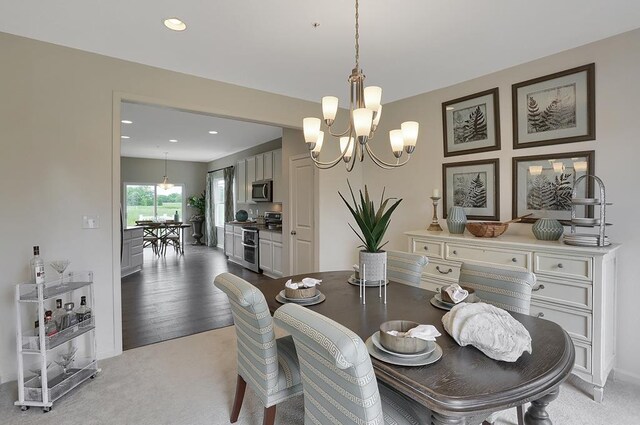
(268, 364)
(404, 267)
(339, 382)
(507, 289)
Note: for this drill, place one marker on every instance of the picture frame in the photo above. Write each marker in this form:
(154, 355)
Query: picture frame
(471, 124)
(556, 108)
(474, 185)
(544, 188)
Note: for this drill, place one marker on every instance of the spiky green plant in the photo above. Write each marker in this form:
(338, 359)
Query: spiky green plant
(372, 223)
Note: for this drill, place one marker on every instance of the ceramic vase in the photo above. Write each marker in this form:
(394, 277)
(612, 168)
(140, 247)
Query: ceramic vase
(456, 220)
(373, 265)
(547, 229)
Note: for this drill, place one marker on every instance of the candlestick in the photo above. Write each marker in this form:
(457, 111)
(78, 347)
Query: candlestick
(436, 193)
(435, 226)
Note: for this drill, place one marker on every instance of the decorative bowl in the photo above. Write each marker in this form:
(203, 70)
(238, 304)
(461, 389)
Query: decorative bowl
(447, 299)
(400, 343)
(486, 229)
(242, 215)
(301, 293)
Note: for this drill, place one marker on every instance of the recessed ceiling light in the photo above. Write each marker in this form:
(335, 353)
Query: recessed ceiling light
(173, 140)
(126, 122)
(213, 132)
(175, 24)
(125, 137)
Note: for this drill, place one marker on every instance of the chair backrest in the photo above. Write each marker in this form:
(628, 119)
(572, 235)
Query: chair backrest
(507, 289)
(338, 380)
(257, 350)
(405, 268)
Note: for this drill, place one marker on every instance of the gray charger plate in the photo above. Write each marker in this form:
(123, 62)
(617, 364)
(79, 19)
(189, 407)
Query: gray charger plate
(283, 300)
(353, 281)
(375, 338)
(299, 300)
(433, 357)
(437, 302)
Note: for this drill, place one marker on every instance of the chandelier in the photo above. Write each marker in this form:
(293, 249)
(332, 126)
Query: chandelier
(165, 181)
(365, 111)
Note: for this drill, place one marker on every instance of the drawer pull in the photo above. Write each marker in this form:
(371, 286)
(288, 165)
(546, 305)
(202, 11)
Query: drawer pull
(560, 265)
(426, 248)
(537, 288)
(514, 259)
(541, 314)
(455, 252)
(447, 272)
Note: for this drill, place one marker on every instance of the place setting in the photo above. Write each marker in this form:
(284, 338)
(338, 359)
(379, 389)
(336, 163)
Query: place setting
(405, 343)
(305, 293)
(448, 297)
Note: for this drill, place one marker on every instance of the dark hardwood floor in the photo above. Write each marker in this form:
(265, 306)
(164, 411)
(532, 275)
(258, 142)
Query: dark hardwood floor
(174, 296)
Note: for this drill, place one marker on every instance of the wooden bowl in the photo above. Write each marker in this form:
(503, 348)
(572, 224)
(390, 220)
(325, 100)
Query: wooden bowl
(401, 344)
(301, 293)
(485, 229)
(447, 299)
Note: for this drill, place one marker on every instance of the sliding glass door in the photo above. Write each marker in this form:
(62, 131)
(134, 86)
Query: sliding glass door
(151, 202)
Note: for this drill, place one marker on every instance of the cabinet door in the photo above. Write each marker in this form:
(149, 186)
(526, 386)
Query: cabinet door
(277, 176)
(241, 182)
(277, 259)
(268, 165)
(237, 247)
(251, 176)
(126, 254)
(228, 243)
(260, 167)
(266, 255)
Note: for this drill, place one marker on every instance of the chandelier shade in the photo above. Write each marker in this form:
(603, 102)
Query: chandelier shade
(365, 111)
(165, 180)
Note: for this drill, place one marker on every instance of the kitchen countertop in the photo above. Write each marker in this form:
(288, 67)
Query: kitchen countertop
(260, 227)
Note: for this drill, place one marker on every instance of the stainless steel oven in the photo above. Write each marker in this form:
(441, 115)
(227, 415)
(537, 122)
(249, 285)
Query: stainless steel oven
(250, 250)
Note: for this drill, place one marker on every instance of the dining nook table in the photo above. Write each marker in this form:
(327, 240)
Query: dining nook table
(464, 386)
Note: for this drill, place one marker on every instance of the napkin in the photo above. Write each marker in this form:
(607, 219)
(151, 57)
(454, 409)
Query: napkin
(456, 293)
(490, 329)
(356, 268)
(426, 332)
(307, 282)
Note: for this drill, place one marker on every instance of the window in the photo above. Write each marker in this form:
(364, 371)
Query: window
(151, 202)
(218, 199)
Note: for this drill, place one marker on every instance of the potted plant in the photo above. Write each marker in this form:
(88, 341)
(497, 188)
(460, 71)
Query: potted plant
(198, 203)
(373, 224)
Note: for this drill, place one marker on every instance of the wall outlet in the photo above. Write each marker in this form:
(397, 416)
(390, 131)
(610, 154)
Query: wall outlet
(90, 221)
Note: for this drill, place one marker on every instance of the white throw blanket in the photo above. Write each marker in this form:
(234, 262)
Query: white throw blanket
(490, 329)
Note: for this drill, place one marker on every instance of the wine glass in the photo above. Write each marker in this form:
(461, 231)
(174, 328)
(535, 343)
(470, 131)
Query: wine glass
(36, 369)
(60, 266)
(66, 359)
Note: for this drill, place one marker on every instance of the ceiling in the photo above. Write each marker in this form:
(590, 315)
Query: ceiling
(153, 126)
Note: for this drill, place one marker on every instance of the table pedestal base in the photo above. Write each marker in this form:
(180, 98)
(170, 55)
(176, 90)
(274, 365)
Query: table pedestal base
(537, 412)
(438, 419)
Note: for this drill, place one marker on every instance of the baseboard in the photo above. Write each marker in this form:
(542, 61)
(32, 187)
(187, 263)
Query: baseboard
(624, 376)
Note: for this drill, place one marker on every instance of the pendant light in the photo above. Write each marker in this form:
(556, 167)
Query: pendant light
(165, 181)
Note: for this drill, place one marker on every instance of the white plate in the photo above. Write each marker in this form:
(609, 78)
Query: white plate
(394, 359)
(587, 221)
(585, 201)
(298, 300)
(282, 300)
(446, 306)
(585, 243)
(375, 338)
(353, 281)
(472, 298)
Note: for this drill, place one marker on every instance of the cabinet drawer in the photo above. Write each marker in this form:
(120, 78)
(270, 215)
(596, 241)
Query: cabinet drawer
(429, 248)
(276, 236)
(583, 357)
(576, 323)
(237, 230)
(447, 273)
(561, 266)
(228, 228)
(135, 249)
(511, 258)
(563, 292)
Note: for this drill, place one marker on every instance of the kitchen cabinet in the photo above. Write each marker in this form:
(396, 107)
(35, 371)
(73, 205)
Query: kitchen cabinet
(132, 252)
(270, 244)
(228, 240)
(241, 182)
(237, 244)
(267, 161)
(575, 286)
(278, 190)
(264, 166)
(251, 177)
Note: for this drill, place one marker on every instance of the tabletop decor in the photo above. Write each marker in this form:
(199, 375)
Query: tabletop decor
(547, 229)
(435, 224)
(197, 202)
(373, 224)
(456, 220)
(556, 108)
(471, 123)
(543, 184)
(474, 186)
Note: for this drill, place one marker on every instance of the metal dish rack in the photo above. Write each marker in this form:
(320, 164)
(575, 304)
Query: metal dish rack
(600, 239)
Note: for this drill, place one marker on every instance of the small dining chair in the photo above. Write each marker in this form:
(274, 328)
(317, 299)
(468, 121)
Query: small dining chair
(404, 267)
(269, 365)
(507, 289)
(338, 379)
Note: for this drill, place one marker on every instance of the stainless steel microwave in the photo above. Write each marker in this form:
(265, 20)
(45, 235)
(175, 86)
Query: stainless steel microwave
(262, 191)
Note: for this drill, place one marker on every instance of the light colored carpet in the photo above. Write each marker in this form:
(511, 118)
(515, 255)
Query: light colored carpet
(191, 381)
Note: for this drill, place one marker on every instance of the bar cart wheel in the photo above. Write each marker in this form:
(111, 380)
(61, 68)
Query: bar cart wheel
(24, 408)
(46, 409)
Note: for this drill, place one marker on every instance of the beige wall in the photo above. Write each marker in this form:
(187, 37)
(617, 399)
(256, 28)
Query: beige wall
(59, 115)
(617, 149)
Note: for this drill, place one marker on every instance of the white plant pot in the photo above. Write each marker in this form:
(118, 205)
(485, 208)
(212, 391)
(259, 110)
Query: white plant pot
(373, 265)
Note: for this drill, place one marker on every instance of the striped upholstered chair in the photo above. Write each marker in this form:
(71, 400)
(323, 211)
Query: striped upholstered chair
(507, 289)
(404, 267)
(268, 364)
(339, 383)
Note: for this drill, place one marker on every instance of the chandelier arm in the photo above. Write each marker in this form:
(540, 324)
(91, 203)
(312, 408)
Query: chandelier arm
(331, 164)
(348, 130)
(379, 162)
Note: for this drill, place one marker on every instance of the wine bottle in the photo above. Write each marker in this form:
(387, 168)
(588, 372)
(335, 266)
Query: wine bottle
(37, 266)
(83, 313)
(58, 315)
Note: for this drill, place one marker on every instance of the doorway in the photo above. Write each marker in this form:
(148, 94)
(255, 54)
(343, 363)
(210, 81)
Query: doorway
(302, 207)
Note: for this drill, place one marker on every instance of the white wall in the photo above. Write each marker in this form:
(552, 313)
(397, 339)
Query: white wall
(60, 138)
(617, 150)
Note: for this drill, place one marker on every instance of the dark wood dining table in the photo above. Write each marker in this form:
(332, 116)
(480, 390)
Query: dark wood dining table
(465, 385)
(161, 231)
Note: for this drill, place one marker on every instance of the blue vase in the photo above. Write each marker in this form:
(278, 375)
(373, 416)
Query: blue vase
(456, 220)
(547, 229)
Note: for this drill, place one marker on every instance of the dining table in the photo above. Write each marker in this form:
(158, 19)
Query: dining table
(464, 386)
(161, 232)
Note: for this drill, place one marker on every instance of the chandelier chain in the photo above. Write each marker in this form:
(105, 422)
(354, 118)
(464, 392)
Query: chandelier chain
(357, 38)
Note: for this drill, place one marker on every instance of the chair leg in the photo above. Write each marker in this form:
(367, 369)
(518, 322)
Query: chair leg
(520, 413)
(241, 385)
(269, 415)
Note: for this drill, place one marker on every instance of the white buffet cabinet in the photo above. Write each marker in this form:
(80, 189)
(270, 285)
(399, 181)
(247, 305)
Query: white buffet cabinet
(576, 286)
(132, 252)
(270, 242)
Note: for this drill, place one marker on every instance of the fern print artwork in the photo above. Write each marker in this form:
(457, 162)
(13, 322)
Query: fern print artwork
(550, 190)
(552, 109)
(470, 124)
(470, 190)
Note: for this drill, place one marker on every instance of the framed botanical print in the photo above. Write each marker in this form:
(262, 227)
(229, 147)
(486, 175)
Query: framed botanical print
(473, 185)
(557, 108)
(543, 185)
(471, 124)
